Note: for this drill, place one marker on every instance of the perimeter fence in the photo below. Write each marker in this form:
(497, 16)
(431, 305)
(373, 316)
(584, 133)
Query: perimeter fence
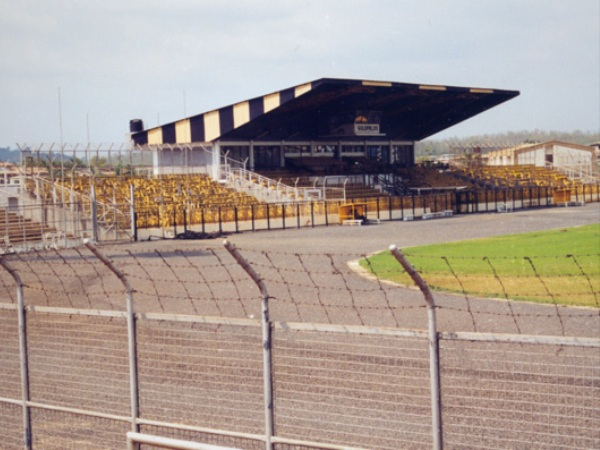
(47, 215)
(261, 349)
(181, 219)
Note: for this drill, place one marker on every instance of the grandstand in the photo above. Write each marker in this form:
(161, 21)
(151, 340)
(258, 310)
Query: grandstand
(574, 161)
(325, 127)
(526, 175)
(65, 206)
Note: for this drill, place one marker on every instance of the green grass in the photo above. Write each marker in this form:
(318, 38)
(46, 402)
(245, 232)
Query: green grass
(558, 266)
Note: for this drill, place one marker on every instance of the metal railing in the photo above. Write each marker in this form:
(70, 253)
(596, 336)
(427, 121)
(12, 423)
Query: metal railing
(122, 219)
(273, 191)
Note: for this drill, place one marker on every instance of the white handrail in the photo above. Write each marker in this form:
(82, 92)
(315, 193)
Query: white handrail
(269, 190)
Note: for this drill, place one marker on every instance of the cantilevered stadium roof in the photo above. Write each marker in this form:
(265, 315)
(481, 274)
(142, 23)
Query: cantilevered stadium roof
(337, 109)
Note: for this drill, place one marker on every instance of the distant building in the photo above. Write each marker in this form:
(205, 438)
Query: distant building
(577, 161)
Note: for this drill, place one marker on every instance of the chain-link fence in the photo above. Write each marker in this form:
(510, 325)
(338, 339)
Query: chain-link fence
(193, 344)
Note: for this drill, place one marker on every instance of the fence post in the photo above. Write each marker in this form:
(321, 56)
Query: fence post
(434, 357)
(94, 211)
(131, 336)
(132, 212)
(23, 358)
(266, 336)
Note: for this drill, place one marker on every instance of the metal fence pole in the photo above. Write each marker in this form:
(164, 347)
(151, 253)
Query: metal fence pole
(23, 358)
(94, 211)
(132, 212)
(434, 359)
(266, 336)
(131, 336)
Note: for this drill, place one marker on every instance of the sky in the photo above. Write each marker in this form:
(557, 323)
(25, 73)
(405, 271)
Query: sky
(77, 72)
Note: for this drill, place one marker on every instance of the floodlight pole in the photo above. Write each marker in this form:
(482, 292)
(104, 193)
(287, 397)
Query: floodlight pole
(434, 357)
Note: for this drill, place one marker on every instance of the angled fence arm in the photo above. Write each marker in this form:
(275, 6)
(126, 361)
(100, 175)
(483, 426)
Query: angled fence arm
(434, 357)
(131, 335)
(266, 336)
(23, 358)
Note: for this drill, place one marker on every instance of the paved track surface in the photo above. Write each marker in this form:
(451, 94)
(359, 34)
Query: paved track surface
(310, 265)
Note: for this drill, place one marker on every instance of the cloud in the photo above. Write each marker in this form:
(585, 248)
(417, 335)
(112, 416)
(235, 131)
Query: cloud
(119, 59)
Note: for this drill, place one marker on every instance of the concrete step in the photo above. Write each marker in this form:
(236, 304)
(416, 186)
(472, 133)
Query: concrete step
(15, 229)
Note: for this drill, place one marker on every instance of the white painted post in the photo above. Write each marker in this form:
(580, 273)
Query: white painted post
(216, 161)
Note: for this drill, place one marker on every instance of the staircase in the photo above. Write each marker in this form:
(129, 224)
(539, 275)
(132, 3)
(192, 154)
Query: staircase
(271, 191)
(17, 231)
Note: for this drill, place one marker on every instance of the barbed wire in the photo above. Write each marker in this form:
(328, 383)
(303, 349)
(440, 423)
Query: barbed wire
(588, 279)
(336, 288)
(543, 283)
(504, 292)
(463, 290)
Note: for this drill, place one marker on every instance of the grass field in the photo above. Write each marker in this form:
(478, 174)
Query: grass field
(559, 266)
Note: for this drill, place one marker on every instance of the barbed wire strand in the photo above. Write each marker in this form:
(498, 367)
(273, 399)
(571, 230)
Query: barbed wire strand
(381, 289)
(554, 302)
(504, 292)
(90, 262)
(142, 267)
(58, 276)
(350, 292)
(315, 286)
(462, 287)
(204, 281)
(589, 281)
(231, 280)
(287, 285)
(179, 280)
(36, 274)
(44, 286)
(75, 275)
(9, 288)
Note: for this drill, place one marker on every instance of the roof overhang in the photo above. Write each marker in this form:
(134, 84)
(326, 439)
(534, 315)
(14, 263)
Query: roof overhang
(333, 109)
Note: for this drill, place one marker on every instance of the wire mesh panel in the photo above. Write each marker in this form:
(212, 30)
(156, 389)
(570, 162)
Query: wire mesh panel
(207, 375)
(57, 430)
(504, 395)
(10, 376)
(352, 389)
(79, 362)
(11, 426)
